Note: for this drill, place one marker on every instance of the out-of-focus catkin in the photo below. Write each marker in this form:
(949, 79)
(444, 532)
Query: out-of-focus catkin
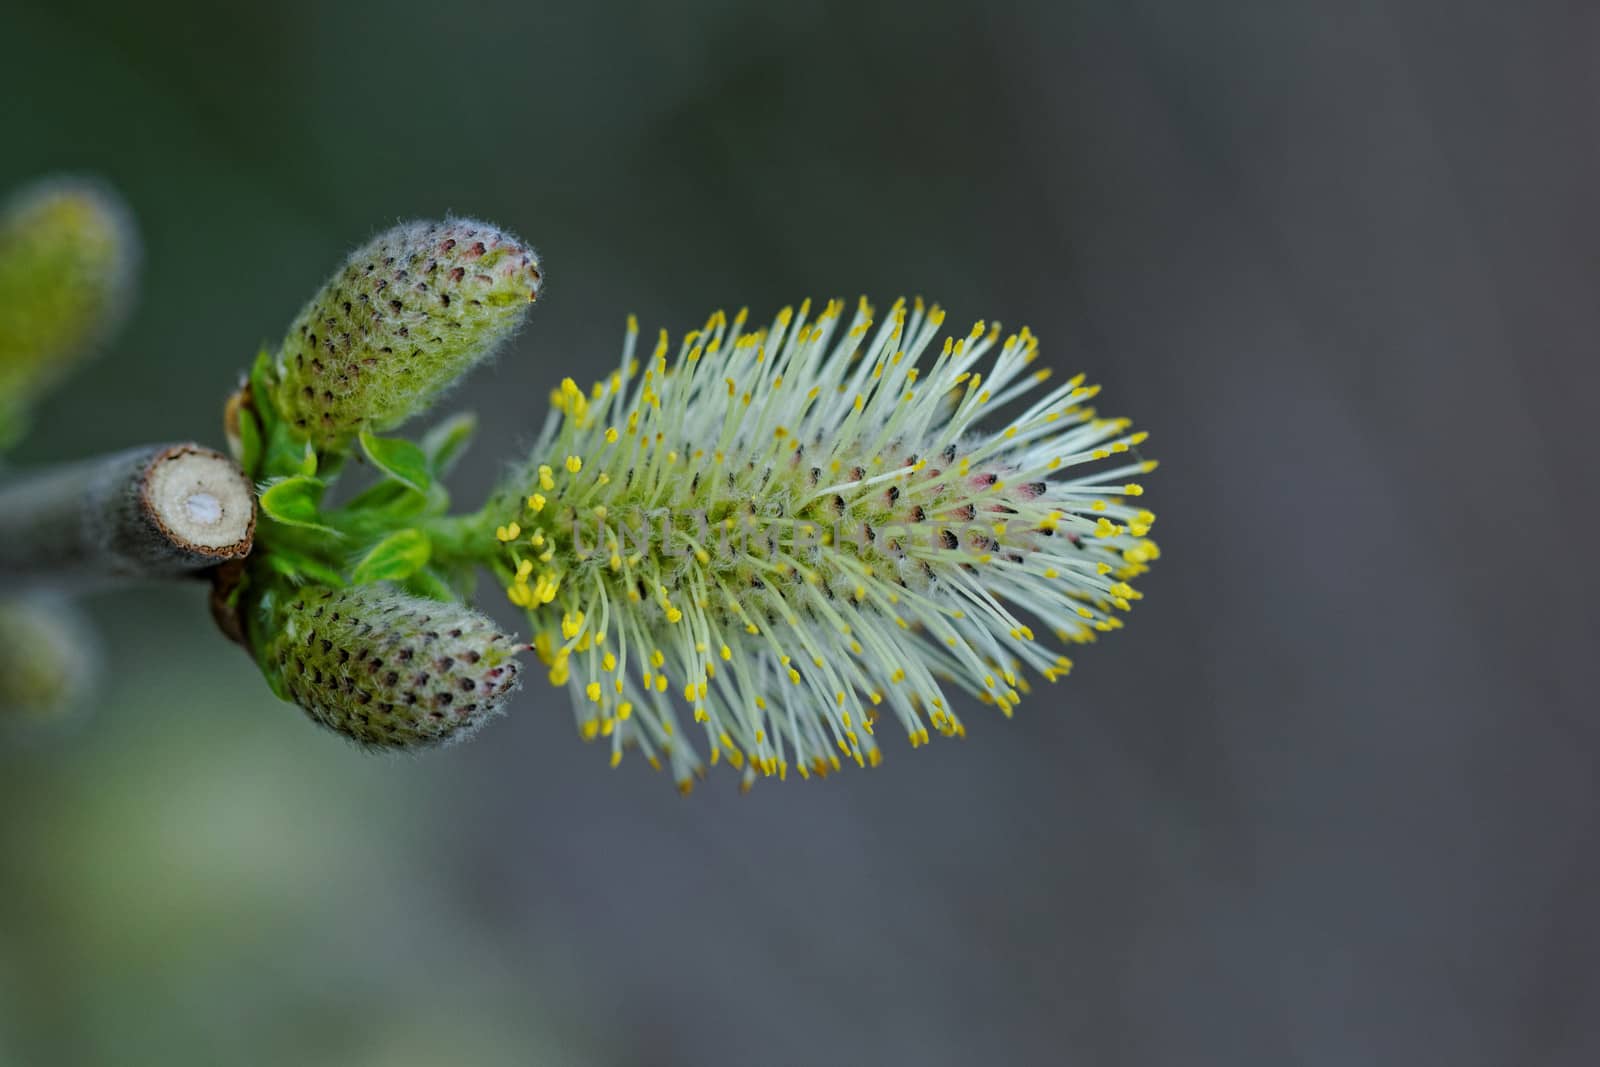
(68, 250)
(49, 658)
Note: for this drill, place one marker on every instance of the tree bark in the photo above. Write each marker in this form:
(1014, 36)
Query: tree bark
(153, 512)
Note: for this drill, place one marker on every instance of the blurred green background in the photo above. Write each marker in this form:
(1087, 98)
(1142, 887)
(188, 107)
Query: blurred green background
(1330, 799)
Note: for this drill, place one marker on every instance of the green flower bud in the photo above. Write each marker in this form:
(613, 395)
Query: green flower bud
(49, 658)
(388, 669)
(67, 254)
(409, 313)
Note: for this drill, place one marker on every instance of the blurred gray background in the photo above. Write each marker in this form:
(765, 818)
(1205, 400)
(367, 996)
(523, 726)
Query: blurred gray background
(1331, 798)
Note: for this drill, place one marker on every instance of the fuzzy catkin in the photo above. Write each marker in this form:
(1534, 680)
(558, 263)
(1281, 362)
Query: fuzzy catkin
(387, 669)
(408, 313)
(794, 531)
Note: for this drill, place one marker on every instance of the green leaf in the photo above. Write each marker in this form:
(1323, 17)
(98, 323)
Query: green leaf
(385, 498)
(300, 569)
(260, 640)
(399, 459)
(261, 374)
(426, 583)
(395, 558)
(445, 443)
(295, 502)
(460, 579)
(386, 505)
(380, 514)
(284, 453)
(249, 440)
(308, 461)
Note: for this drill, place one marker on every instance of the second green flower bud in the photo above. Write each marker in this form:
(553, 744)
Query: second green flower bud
(409, 313)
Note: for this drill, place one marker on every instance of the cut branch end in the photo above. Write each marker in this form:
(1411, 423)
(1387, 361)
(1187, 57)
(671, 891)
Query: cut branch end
(199, 503)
